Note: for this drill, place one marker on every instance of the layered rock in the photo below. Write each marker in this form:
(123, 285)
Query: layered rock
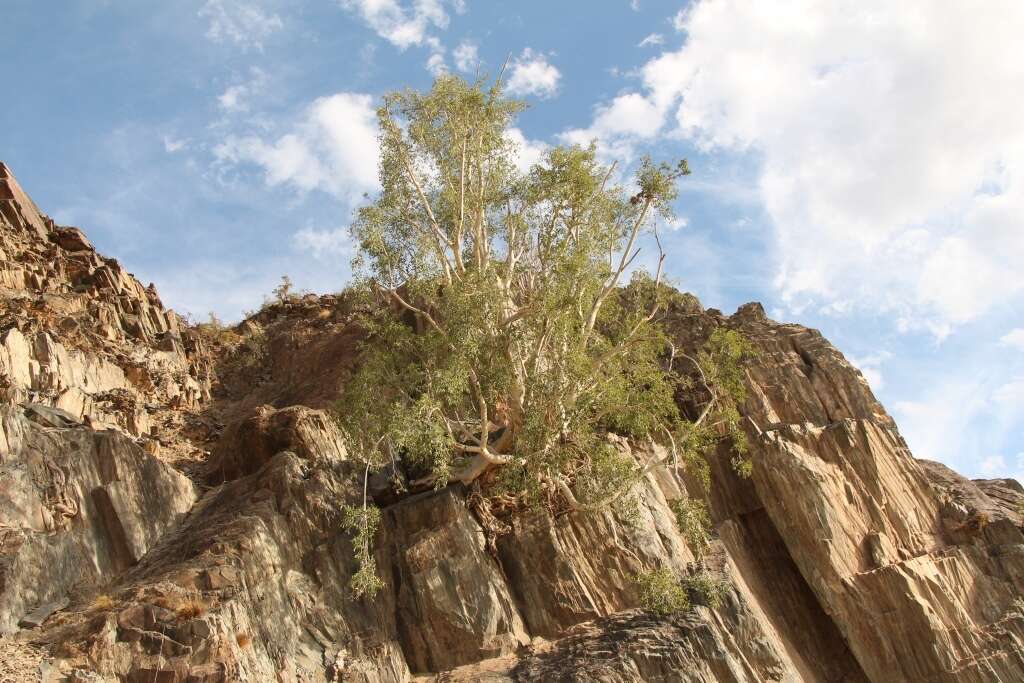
(845, 559)
(79, 332)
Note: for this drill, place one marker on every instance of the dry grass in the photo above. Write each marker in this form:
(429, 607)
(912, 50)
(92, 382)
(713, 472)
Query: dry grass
(191, 609)
(166, 603)
(102, 603)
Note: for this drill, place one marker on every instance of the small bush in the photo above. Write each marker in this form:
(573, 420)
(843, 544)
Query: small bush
(661, 592)
(709, 590)
(694, 524)
(283, 292)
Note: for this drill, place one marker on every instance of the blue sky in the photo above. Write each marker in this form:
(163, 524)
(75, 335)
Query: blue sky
(858, 167)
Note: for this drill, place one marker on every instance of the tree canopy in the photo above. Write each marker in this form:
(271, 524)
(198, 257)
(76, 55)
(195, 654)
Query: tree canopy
(508, 326)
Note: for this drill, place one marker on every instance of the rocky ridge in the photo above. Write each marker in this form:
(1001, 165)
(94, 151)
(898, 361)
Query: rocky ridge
(171, 497)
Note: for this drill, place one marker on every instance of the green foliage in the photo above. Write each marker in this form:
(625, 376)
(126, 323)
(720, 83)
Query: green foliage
(709, 590)
(661, 592)
(694, 524)
(363, 523)
(501, 338)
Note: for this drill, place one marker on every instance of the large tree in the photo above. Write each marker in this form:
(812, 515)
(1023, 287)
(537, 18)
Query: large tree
(509, 327)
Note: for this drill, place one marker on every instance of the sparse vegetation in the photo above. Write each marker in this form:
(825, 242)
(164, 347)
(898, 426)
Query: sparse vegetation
(363, 521)
(102, 603)
(661, 592)
(708, 589)
(191, 608)
(214, 331)
(504, 342)
(694, 524)
(283, 292)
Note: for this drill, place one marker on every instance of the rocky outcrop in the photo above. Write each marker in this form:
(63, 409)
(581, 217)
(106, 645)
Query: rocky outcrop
(80, 333)
(843, 559)
(79, 507)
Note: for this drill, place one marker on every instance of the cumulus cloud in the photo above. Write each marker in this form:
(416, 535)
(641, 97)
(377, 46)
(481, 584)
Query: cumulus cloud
(893, 176)
(466, 56)
(1013, 339)
(531, 74)
(332, 148)
(528, 152)
(245, 24)
(436, 64)
(619, 125)
(400, 25)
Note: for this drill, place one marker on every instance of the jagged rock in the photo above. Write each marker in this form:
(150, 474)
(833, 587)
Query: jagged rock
(453, 604)
(79, 507)
(248, 444)
(846, 560)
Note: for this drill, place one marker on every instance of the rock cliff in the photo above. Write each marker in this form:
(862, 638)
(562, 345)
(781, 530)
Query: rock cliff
(171, 510)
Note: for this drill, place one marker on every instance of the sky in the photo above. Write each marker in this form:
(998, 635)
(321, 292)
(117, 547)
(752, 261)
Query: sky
(858, 167)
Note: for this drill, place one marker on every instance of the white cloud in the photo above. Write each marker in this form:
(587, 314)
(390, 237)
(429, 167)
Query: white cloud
(528, 152)
(466, 56)
(677, 223)
(870, 367)
(652, 39)
(323, 244)
(1013, 339)
(172, 145)
(332, 148)
(892, 175)
(402, 26)
(235, 97)
(993, 464)
(619, 125)
(245, 24)
(436, 64)
(679, 19)
(1011, 394)
(531, 74)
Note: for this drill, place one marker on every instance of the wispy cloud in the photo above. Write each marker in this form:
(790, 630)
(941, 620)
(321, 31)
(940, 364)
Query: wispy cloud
(235, 98)
(323, 244)
(651, 40)
(243, 23)
(400, 25)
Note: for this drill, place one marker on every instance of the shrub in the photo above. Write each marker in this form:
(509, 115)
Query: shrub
(694, 524)
(661, 592)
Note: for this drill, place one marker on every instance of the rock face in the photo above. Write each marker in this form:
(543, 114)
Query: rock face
(172, 502)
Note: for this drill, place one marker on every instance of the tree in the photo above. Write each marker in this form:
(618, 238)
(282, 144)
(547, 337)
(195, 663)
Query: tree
(503, 340)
